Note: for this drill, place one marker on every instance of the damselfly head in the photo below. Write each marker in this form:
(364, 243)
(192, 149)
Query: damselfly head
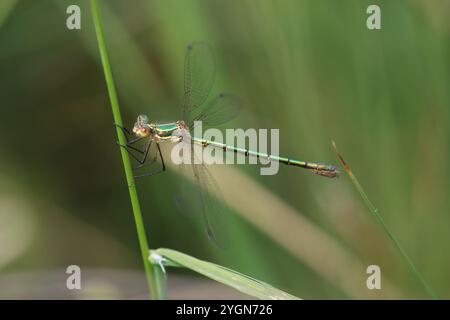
(142, 128)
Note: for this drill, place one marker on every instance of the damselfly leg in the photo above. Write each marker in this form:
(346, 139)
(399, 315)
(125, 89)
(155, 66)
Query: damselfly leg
(143, 162)
(154, 172)
(130, 143)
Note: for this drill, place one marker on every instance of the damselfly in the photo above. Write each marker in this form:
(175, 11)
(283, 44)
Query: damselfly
(199, 71)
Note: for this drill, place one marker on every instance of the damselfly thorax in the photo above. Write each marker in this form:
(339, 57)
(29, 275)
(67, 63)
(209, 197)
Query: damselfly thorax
(170, 131)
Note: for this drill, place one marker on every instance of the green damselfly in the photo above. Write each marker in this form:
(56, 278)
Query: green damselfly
(199, 71)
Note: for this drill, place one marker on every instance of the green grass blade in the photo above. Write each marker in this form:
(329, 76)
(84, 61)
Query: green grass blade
(380, 220)
(155, 281)
(236, 280)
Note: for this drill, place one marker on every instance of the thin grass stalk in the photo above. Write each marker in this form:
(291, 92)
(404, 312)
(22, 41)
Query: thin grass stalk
(154, 280)
(388, 233)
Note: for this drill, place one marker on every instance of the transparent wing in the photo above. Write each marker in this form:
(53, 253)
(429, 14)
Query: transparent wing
(199, 70)
(222, 109)
(206, 198)
(214, 217)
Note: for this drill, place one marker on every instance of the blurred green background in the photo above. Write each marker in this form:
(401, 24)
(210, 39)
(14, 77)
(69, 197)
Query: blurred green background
(310, 68)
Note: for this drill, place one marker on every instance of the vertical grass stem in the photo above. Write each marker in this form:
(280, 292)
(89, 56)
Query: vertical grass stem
(152, 280)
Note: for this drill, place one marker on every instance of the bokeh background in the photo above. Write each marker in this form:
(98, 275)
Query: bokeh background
(310, 68)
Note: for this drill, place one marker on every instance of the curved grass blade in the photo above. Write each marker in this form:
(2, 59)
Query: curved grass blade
(231, 278)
